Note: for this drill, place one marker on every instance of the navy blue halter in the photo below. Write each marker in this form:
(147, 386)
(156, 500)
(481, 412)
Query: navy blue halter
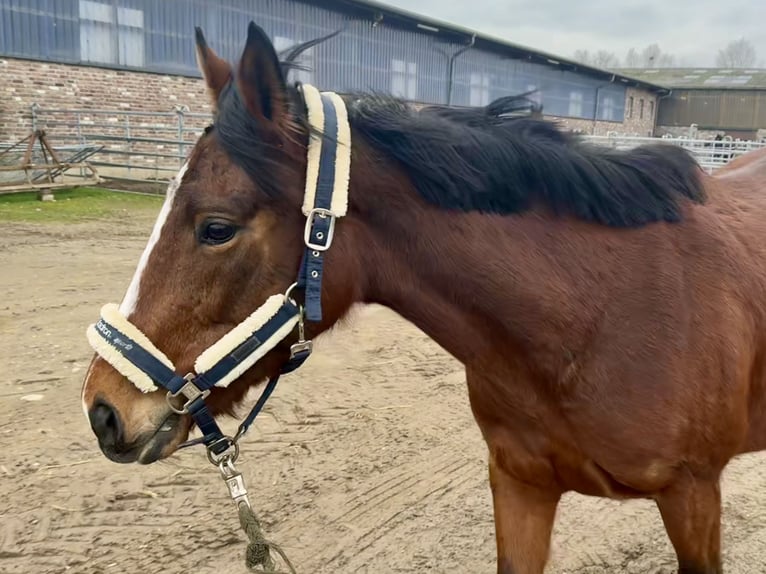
(195, 388)
(320, 222)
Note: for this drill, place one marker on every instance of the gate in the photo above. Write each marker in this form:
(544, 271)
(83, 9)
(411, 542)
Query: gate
(137, 145)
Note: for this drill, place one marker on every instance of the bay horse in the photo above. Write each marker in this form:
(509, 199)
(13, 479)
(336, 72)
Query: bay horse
(609, 306)
(754, 160)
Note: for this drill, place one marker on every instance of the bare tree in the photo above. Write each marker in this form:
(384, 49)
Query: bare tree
(651, 56)
(737, 54)
(605, 59)
(632, 59)
(666, 61)
(600, 59)
(582, 56)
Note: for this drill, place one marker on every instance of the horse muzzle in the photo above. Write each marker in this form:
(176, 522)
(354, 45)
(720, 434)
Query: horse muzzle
(147, 447)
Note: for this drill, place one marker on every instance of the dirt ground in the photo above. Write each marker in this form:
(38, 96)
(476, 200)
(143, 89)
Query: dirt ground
(366, 461)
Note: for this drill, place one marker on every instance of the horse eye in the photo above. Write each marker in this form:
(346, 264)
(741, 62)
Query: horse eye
(216, 232)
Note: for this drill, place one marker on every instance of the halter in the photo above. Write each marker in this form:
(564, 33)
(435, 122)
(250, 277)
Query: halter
(131, 353)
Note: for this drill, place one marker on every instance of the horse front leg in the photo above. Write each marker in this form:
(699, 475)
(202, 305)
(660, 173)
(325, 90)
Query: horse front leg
(524, 517)
(691, 511)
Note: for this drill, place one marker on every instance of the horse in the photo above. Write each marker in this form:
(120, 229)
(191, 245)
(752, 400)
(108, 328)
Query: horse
(754, 160)
(609, 306)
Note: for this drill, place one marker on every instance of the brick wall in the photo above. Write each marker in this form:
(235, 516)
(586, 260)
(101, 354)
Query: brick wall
(83, 87)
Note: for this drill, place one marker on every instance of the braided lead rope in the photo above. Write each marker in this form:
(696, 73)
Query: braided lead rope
(257, 556)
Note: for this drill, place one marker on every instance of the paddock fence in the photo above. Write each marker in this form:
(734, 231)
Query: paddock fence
(137, 146)
(710, 154)
(146, 147)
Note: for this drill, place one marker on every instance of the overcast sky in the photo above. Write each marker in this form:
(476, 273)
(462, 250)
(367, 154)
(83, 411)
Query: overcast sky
(692, 30)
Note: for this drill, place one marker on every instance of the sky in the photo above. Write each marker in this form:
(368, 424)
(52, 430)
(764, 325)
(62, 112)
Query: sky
(692, 30)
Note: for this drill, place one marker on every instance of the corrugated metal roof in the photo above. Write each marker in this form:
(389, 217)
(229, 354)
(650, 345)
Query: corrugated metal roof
(701, 78)
(372, 8)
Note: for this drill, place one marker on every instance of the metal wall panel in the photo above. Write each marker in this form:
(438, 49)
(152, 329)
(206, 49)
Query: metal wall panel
(158, 35)
(715, 109)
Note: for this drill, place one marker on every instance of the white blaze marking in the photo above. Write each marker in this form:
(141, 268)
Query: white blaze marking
(82, 393)
(128, 304)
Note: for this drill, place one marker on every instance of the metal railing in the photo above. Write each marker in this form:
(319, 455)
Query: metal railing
(146, 146)
(711, 154)
(137, 145)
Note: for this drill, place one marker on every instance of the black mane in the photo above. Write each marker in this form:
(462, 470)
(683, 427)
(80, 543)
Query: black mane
(485, 159)
(489, 159)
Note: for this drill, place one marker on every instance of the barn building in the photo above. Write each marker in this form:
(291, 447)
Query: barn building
(716, 101)
(139, 54)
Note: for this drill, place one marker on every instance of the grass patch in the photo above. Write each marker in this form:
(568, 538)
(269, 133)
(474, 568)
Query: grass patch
(72, 205)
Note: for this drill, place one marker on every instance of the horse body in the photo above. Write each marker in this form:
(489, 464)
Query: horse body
(612, 324)
(755, 160)
(612, 364)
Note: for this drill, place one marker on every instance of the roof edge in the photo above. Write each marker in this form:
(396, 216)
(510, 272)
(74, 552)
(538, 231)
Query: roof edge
(439, 27)
(694, 77)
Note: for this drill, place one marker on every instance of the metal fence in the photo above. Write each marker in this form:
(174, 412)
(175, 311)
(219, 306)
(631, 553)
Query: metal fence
(711, 154)
(730, 110)
(146, 146)
(136, 145)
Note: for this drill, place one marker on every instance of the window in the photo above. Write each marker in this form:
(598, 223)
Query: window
(479, 95)
(641, 109)
(111, 34)
(304, 72)
(130, 35)
(575, 104)
(651, 109)
(608, 109)
(404, 79)
(629, 113)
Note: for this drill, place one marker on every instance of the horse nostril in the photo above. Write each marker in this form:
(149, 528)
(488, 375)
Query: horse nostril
(106, 424)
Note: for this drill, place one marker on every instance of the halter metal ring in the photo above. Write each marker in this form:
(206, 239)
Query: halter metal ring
(289, 292)
(218, 459)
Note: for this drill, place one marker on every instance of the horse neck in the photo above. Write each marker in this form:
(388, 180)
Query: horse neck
(477, 284)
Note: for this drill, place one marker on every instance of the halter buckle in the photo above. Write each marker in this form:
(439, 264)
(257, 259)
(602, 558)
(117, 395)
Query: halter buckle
(300, 347)
(307, 239)
(190, 391)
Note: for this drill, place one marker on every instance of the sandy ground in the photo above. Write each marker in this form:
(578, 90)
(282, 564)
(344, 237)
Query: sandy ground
(366, 461)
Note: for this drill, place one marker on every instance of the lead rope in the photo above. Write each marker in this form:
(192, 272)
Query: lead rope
(258, 549)
(258, 554)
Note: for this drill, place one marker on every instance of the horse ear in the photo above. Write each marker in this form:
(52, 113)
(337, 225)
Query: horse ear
(260, 78)
(215, 70)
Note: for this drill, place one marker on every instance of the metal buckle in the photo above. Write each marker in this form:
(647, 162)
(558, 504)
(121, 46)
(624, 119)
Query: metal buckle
(323, 213)
(190, 391)
(300, 347)
(302, 344)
